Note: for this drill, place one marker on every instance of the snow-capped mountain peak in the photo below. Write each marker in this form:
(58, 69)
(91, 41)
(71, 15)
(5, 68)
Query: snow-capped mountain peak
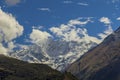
(57, 54)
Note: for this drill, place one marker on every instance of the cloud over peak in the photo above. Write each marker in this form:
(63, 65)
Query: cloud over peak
(108, 30)
(38, 36)
(70, 31)
(105, 20)
(74, 30)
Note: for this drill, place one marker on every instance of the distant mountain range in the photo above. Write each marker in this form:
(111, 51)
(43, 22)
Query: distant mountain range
(101, 62)
(57, 54)
(13, 69)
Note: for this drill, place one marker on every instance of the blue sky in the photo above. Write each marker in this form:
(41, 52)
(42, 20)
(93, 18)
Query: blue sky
(46, 14)
(29, 12)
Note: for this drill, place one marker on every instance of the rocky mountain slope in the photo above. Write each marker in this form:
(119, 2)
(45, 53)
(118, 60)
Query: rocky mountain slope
(57, 54)
(13, 69)
(101, 62)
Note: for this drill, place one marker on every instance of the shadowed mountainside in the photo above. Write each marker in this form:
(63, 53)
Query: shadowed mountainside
(100, 63)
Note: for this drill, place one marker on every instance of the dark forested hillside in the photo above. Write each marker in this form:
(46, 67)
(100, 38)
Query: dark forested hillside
(13, 69)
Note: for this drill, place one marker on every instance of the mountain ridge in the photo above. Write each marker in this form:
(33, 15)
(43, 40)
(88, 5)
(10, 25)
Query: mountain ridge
(97, 61)
(14, 69)
(56, 54)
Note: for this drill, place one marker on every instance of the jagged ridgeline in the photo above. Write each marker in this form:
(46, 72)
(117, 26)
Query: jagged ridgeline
(100, 63)
(13, 69)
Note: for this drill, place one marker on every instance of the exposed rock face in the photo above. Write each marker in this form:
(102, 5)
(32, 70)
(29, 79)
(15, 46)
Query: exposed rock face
(100, 63)
(56, 54)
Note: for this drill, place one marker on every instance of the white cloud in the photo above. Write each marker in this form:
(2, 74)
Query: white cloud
(44, 9)
(107, 32)
(11, 45)
(3, 50)
(83, 4)
(9, 29)
(105, 20)
(79, 22)
(66, 32)
(38, 36)
(109, 29)
(118, 19)
(37, 27)
(67, 2)
(12, 2)
(70, 32)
